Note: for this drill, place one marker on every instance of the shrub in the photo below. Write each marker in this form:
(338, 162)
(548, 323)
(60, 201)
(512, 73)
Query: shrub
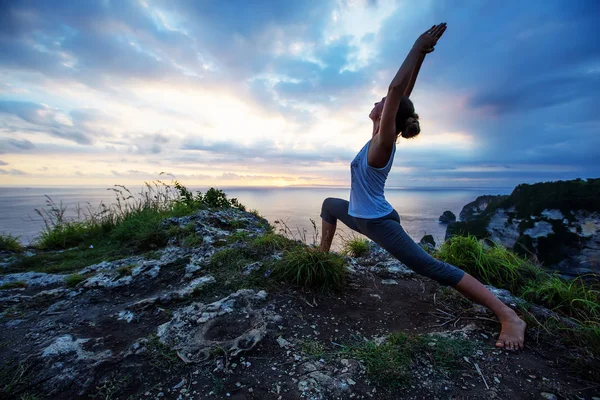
(9, 242)
(312, 268)
(496, 265)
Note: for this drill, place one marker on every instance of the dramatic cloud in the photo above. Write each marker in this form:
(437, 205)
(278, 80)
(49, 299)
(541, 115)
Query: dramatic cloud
(274, 92)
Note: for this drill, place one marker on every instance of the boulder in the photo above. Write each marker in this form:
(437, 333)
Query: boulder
(447, 217)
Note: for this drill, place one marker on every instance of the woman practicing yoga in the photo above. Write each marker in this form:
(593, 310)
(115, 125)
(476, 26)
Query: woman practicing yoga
(370, 214)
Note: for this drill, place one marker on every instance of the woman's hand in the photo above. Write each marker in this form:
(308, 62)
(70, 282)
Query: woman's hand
(426, 42)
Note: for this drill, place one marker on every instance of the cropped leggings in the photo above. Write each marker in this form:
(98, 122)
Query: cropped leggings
(389, 234)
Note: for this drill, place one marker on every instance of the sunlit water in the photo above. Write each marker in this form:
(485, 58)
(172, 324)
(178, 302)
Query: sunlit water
(419, 209)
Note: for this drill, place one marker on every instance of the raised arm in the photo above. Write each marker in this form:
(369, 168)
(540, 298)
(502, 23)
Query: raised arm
(413, 77)
(403, 83)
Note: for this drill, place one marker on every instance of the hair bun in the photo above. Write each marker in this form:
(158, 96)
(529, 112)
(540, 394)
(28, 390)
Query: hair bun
(413, 128)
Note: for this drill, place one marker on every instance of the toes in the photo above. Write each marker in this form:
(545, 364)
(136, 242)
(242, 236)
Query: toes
(500, 343)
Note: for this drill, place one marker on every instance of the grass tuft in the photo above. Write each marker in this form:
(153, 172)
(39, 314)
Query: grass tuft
(13, 285)
(312, 268)
(357, 247)
(392, 363)
(124, 270)
(577, 299)
(9, 242)
(74, 279)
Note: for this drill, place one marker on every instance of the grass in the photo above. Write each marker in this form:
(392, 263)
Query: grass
(313, 349)
(392, 363)
(577, 299)
(13, 285)
(75, 279)
(271, 242)
(161, 355)
(133, 224)
(357, 247)
(312, 268)
(9, 242)
(124, 270)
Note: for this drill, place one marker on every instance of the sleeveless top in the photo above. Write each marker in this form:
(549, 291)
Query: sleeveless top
(366, 191)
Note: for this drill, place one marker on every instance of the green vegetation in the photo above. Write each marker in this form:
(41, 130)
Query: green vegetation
(13, 285)
(75, 279)
(124, 270)
(133, 224)
(10, 243)
(161, 355)
(312, 268)
(357, 247)
(271, 242)
(393, 362)
(313, 349)
(577, 299)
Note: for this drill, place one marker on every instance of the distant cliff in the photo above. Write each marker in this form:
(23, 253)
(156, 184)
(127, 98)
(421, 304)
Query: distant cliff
(558, 223)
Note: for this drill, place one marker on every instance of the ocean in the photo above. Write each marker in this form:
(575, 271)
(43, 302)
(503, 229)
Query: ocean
(419, 208)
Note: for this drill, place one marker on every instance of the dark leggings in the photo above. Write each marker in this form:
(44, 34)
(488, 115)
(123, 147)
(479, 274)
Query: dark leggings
(389, 234)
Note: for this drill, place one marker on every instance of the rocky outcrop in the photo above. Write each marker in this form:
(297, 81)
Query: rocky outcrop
(178, 325)
(447, 217)
(558, 223)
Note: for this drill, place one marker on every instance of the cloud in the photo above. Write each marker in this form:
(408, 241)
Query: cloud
(3, 162)
(22, 144)
(288, 85)
(14, 172)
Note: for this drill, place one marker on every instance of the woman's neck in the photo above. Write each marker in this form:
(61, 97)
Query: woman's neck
(375, 128)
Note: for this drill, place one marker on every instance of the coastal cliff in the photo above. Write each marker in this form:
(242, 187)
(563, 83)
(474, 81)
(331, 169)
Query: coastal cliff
(557, 223)
(200, 303)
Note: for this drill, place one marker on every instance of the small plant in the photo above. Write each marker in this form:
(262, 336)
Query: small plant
(357, 247)
(270, 242)
(161, 356)
(389, 363)
(74, 279)
(313, 349)
(9, 242)
(392, 362)
(312, 268)
(192, 240)
(13, 285)
(124, 270)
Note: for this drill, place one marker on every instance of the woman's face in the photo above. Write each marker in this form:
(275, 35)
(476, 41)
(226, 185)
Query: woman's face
(377, 110)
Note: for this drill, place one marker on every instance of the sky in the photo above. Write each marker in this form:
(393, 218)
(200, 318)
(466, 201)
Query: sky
(277, 93)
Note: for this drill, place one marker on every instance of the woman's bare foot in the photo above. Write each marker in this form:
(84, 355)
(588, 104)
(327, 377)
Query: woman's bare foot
(512, 335)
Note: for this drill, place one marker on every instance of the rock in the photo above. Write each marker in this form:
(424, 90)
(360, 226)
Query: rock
(549, 396)
(126, 315)
(250, 268)
(502, 231)
(447, 217)
(33, 279)
(472, 210)
(233, 324)
(283, 343)
(552, 214)
(540, 229)
(556, 222)
(427, 239)
(66, 363)
(389, 282)
(193, 266)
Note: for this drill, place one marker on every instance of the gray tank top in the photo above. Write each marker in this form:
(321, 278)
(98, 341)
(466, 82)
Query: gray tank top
(367, 199)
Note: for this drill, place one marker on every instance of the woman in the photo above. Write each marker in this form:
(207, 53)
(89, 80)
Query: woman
(369, 213)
